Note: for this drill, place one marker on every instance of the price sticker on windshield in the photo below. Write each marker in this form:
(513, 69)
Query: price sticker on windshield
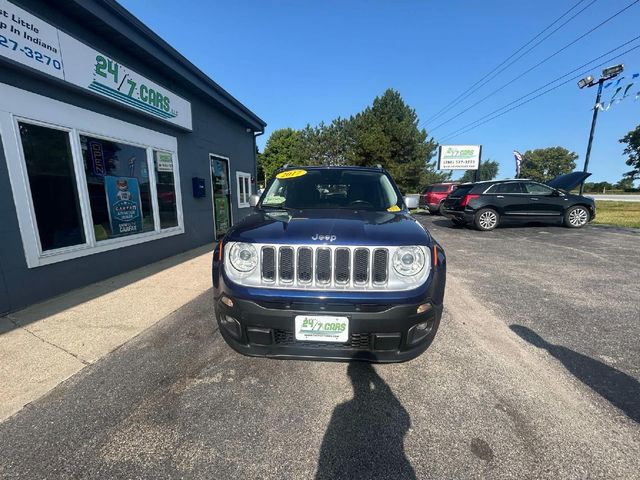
(291, 174)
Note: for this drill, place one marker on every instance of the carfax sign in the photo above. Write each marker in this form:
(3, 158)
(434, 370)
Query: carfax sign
(459, 157)
(26, 39)
(125, 206)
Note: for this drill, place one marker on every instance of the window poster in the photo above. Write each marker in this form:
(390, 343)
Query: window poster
(124, 204)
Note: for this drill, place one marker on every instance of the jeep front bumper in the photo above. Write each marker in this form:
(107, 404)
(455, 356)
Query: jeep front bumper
(383, 326)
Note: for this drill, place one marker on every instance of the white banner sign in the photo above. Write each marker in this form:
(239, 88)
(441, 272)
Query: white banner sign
(28, 40)
(164, 162)
(459, 157)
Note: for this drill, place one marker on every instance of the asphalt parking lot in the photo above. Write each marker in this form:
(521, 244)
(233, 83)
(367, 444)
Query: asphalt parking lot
(534, 374)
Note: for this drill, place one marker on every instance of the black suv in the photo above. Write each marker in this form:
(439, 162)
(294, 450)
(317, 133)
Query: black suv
(487, 204)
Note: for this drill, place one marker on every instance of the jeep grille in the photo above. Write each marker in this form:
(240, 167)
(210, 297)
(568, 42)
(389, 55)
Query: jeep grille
(324, 267)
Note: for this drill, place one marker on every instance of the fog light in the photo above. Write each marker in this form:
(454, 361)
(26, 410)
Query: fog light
(423, 308)
(419, 332)
(231, 325)
(227, 301)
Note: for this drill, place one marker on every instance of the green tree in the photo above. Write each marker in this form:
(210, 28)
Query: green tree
(543, 164)
(387, 134)
(488, 171)
(625, 184)
(632, 141)
(597, 187)
(283, 147)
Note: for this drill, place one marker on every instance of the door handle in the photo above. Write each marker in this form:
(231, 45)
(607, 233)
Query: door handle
(500, 196)
(534, 198)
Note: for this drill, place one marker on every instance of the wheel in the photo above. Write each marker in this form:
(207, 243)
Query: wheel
(486, 219)
(441, 208)
(576, 217)
(457, 221)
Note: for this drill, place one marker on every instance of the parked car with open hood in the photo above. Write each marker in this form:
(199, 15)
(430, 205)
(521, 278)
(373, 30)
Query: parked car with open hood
(330, 265)
(487, 204)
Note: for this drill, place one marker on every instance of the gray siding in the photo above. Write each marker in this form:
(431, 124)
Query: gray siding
(215, 131)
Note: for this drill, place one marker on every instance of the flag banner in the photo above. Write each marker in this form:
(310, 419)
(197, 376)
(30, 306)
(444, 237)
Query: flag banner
(518, 157)
(625, 94)
(614, 96)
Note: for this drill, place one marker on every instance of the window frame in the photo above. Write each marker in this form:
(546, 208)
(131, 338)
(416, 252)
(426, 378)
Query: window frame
(21, 106)
(489, 191)
(551, 189)
(240, 178)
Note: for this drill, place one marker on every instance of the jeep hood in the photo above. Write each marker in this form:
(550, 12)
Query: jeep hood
(343, 227)
(568, 180)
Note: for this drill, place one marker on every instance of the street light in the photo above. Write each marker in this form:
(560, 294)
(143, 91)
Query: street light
(607, 74)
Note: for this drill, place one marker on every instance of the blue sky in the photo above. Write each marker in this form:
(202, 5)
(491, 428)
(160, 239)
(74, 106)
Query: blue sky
(299, 62)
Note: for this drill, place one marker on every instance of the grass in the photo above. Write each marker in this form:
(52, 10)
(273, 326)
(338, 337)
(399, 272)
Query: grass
(620, 214)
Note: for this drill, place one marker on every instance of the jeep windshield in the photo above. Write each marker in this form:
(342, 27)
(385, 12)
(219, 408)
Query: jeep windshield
(332, 188)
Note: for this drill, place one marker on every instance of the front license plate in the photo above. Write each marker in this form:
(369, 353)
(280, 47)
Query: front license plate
(320, 328)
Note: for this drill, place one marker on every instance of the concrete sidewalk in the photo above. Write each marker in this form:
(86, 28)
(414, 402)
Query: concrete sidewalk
(47, 343)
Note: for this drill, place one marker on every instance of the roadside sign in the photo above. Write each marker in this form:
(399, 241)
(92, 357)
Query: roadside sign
(459, 157)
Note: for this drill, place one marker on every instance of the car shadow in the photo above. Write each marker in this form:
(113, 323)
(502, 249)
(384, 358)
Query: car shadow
(620, 389)
(365, 437)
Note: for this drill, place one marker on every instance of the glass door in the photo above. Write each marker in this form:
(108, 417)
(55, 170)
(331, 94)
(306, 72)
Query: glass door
(221, 194)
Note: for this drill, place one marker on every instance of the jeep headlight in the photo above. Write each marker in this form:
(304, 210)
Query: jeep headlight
(243, 257)
(408, 261)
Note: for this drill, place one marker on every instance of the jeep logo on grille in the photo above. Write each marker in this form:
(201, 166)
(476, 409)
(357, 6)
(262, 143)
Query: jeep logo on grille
(324, 238)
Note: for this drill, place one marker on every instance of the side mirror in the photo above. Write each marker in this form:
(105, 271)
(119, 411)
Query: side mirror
(253, 200)
(411, 201)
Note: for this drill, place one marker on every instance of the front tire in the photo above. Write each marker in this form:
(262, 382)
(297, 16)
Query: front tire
(486, 219)
(441, 208)
(576, 217)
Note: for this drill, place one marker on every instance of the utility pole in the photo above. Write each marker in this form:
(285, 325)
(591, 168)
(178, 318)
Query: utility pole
(607, 74)
(593, 129)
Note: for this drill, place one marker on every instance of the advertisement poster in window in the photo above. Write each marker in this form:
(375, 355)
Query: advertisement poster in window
(164, 162)
(125, 206)
(222, 214)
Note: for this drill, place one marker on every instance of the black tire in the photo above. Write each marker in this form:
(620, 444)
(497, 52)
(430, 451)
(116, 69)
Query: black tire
(486, 219)
(576, 217)
(441, 208)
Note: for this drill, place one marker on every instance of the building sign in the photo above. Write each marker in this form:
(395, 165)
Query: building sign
(459, 157)
(26, 39)
(164, 162)
(125, 206)
(97, 158)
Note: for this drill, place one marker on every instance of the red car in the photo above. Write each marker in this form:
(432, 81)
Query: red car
(434, 195)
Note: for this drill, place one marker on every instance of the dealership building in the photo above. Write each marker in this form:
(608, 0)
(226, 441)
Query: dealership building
(115, 150)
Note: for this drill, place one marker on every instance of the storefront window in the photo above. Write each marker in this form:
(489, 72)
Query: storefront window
(119, 188)
(244, 188)
(49, 163)
(165, 186)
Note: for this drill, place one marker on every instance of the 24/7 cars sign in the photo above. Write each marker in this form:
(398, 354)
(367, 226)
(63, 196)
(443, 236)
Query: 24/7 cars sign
(26, 39)
(459, 157)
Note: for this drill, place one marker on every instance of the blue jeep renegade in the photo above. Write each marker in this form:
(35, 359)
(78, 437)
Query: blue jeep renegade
(330, 265)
